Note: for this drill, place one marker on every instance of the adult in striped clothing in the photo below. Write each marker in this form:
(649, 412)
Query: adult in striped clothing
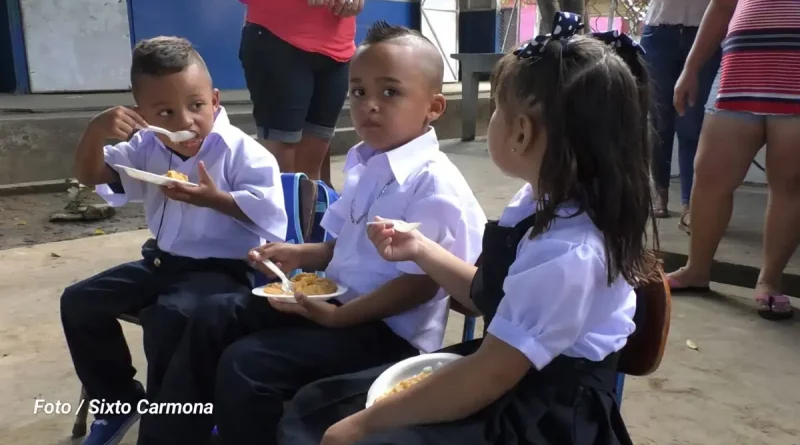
(758, 103)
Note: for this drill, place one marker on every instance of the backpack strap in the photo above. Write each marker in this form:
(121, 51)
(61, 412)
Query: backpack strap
(291, 199)
(325, 197)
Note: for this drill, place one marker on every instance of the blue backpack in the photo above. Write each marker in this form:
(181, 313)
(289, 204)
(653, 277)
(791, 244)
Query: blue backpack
(306, 202)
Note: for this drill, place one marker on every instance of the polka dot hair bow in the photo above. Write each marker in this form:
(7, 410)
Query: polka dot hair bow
(565, 25)
(618, 40)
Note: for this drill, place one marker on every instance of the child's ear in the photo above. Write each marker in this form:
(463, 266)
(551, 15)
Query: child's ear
(437, 107)
(215, 99)
(525, 132)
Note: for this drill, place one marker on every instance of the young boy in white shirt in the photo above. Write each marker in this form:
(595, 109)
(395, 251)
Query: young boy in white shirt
(248, 356)
(201, 234)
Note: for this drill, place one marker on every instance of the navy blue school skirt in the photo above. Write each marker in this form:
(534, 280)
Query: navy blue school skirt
(569, 402)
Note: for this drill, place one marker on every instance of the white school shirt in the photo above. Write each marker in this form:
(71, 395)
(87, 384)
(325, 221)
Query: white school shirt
(676, 12)
(238, 165)
(557, 298)
(427, 189)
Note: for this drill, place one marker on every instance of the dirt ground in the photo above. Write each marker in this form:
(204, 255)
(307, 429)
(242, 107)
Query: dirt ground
(24, 220)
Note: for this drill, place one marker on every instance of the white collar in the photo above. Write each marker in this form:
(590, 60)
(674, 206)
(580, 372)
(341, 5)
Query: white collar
(403, 161)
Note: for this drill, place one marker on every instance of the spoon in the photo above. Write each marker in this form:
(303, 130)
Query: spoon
(174, 136)
(398, 225)
(286, 285)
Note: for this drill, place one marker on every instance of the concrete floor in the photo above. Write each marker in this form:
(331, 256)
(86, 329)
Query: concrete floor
(740, 387)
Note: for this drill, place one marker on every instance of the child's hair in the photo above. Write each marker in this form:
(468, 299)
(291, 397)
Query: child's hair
(381, 31)
(594, 110)
(430, 60)
(161, 56)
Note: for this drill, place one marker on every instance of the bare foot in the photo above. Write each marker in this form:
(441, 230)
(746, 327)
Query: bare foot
(684, 280)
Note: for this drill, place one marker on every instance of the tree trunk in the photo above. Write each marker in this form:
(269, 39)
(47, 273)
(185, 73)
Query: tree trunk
(548, 9)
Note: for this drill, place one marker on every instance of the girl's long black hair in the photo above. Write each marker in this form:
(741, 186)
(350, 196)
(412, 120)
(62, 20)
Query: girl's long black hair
(594, 106)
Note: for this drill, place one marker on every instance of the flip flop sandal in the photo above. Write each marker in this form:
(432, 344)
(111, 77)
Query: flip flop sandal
(768, 305)
(684, 226)
(675, 287)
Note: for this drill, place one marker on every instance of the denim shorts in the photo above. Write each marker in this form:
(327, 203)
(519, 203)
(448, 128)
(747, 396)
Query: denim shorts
(756, 118)
(294, 92)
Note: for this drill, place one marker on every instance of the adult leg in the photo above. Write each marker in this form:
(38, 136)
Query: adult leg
(330, 91)
(782, 225)
(689, 126)
(663, 57)
(164, 322)
(728, 143)
(190, 377)
(281, 84)
(257, 374)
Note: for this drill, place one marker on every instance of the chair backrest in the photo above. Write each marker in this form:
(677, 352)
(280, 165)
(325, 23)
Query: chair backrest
(645, 348)
(306, 202)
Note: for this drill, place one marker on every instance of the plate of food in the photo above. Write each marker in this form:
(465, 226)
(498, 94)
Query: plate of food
(308, 284)
(167, 178)
(405, 374)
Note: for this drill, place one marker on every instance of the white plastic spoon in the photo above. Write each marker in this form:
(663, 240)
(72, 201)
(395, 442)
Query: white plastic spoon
(286, 285)
(174, 136)
(400, 226)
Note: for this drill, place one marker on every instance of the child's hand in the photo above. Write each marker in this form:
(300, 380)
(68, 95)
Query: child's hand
(346, 431)
(285, 255)
(393, 245)
(320, 312)
(205, 194)
(117, 123)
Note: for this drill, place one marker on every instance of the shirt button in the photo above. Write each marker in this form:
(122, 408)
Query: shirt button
(157, 262)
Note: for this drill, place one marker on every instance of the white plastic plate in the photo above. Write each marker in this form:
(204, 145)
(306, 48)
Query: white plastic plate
(405, 370)
(259, 292)
(150, 177)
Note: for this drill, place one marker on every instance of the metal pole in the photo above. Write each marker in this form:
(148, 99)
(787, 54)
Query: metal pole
(612, 15)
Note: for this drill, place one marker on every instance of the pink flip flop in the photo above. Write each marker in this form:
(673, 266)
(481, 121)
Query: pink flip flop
(774, 307)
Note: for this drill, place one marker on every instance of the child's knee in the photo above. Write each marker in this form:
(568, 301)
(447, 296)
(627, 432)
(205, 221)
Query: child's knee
(73, 304)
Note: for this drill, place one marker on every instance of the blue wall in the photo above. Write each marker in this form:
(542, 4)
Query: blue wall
(215, 29)
(404, 13)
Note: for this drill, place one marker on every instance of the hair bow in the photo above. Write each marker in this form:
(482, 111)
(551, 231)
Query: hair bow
(565, 25)
(618, 40)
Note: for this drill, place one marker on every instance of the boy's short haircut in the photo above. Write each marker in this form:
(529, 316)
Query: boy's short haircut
(163, 55)
(382, 32)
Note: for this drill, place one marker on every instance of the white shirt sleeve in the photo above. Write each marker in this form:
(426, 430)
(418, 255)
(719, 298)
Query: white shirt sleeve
(257, 189)
(334, 218)
(128, 154)
(444, 220)
(549, 295)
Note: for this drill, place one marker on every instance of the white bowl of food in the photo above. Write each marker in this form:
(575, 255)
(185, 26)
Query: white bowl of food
(407, 373)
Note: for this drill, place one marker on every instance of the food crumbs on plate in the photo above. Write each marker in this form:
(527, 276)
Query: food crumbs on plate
(172, 174)
(305, 283)
(409, 382)
(692, 345)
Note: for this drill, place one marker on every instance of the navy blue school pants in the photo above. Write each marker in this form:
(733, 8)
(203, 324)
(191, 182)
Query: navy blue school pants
(248, 359)
(163, 290)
